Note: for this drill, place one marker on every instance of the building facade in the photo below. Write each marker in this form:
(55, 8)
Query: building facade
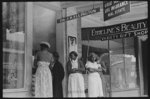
(26, 24)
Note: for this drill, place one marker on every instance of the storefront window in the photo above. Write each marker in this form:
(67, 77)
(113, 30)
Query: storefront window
(13, 44)
(124, 74)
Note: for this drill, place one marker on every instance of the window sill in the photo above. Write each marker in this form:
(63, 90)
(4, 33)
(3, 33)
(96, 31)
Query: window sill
(144, 95)
(14, 90)
(121, 90)
(13, 51)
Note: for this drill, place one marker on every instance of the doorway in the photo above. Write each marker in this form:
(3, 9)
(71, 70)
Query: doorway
(44, 27)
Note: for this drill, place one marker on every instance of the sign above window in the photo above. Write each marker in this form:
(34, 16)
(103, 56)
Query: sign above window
(115, 8)
(82, 14)
(129, 29)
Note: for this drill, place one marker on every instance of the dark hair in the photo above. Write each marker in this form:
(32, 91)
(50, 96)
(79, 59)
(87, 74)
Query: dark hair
(56, 55)
(43, 46)
(74, 53)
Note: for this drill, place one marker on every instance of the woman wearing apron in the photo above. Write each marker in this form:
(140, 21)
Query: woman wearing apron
(94, 80)
(75, 68)
(43, 77)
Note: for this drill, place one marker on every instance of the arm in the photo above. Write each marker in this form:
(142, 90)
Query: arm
(91, 70)
(81, 68)
(62, 72)
(69, 68)
(51, 61)
(103, 66)
(35, 64)
(87, 68)
(51, 65)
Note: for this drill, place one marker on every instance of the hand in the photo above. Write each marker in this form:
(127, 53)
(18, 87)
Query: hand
(74, 69)
(91, 70)
(100, 69)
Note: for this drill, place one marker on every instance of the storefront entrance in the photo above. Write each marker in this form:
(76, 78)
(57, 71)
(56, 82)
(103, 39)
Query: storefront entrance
(122, 54)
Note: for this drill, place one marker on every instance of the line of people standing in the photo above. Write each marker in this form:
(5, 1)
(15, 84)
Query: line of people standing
(49, 74)
(75, 69)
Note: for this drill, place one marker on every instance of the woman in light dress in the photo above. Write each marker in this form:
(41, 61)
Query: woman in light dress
(43, 77)
(75, 68)
(94, 80)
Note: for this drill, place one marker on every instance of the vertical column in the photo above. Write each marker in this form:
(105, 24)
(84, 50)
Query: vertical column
(72, 29)
(28, 44)
(61, 45)
(140, 67)
(79, 37)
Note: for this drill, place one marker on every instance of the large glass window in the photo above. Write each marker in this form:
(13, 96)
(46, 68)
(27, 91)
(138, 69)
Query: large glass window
(13, 44)
(124, 70)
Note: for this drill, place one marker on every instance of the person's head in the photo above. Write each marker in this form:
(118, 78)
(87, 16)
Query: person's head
(44, 45)
(73, 55)
(92, 57)
(55, 55)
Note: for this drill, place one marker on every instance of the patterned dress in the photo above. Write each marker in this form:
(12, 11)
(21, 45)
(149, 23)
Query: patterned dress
(43, 81)
(43, 76)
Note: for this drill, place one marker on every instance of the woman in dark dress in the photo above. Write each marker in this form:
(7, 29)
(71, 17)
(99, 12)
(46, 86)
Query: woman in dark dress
(58, 75)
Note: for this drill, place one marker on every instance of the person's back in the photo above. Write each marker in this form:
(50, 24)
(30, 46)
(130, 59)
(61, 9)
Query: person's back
(44, 56)
(43, 77)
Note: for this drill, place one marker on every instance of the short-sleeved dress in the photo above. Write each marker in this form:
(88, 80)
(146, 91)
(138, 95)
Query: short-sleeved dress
(43, 77)
(75, 80)
(94, 81)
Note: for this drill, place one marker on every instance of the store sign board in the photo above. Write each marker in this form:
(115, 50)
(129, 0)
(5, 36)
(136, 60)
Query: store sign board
(124, 30)
(115, 8)
(82, 14)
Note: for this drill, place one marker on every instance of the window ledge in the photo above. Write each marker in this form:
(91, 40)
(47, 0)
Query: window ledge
(121, 90)
(14, 90)
(13, 51)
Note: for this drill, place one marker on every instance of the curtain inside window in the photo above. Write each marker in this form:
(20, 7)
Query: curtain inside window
(13, 44)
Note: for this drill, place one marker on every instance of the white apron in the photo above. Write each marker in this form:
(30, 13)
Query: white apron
(95, 88)
(75, 83)
(43, 80)
(95, 85)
